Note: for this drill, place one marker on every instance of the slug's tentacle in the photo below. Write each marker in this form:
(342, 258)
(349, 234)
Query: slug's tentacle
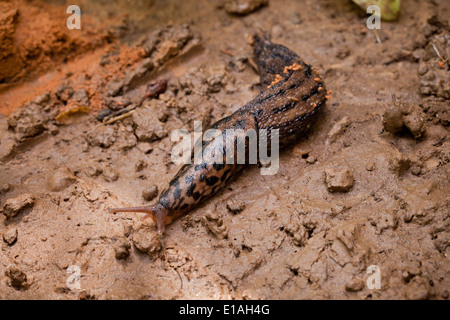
(293, 96)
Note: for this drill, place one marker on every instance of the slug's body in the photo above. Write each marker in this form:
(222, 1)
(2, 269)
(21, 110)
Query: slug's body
(293, 96)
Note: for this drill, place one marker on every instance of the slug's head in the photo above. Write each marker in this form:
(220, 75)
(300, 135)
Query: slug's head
(158, 213)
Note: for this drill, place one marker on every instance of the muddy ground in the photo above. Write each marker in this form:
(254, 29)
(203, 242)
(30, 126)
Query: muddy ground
(368, 186)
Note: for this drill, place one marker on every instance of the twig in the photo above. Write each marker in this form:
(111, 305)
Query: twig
(122, 116)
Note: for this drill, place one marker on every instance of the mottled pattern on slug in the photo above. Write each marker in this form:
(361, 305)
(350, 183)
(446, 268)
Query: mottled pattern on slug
(197, 181)
(294, 94)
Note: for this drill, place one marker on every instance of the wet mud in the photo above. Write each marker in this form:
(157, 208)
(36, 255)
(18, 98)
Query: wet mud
(86, 124)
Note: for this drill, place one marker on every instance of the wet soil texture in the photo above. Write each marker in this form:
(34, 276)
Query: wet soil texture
(364, 197)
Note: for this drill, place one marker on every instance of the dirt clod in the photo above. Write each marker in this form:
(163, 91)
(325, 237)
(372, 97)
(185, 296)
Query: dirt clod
(298, 232)
(399, 163)
(146, 241)
(85, 295)
(214, 224)
(81, 96)
(150, 193)
(61, 179)
(122, 249)
(354, 285)
(110, 174)
(43, 98)
(145, 147)
(8, 143)
(148, 126)
(400, 116)
(243, 7)
(415, 120)
(298, 236)
(338, 129)
(5, 187)
(338, 179)
(93, 170)
(10, 236)
(235, 206)
(393, 119)
(13, 206)
(418, 289)
(29, 121)
(17, 277)
(103, 136)
(311, 159)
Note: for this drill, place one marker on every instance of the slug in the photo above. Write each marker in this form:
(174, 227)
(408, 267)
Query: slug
(293, 96)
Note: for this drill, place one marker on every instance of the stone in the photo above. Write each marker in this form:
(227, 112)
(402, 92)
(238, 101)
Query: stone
(14, 206)
(338, 180)
(150, 193)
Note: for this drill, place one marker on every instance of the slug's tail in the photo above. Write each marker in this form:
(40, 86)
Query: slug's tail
(271, 58)
(158, 214)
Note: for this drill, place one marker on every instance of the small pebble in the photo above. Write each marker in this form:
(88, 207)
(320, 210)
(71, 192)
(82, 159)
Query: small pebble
(338, 180)
(243, 7)
(354, 285)
(416, 169)
(311, 160)
(370, 166)
(122, 250)
(110, 174)
(10, 236)
(150, 193)
(235, 206)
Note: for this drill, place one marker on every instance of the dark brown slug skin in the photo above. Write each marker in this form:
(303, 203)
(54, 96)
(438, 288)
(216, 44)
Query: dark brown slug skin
(293, 96)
